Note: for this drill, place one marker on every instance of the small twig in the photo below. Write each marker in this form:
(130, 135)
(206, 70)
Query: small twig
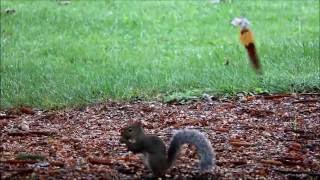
(299, 131)
(22, 133)
(18, 133)
(315, 94)
(15, 161)
(7, 116)
(17, 172)
(304, 134)
(240, 162)
(272, 162)
(44, 133)
(240, 143)
(93, 160)
(280, 96)
(57, 163)
(305, 101)
(291, 161)
(27, 110)
(297, 172)
(171, 113)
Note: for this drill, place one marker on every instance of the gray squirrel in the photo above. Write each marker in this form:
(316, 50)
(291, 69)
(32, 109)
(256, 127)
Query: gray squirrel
(153, 149)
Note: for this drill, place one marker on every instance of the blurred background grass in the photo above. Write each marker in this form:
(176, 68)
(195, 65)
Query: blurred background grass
(56, 55)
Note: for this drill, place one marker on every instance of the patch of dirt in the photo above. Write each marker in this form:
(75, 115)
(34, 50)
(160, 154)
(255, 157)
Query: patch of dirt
(274, 137)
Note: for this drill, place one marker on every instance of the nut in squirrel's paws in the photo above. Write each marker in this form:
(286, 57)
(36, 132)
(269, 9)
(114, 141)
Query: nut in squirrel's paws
(132, 141)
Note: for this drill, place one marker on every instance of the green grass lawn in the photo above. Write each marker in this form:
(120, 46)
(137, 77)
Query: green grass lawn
(63, 55)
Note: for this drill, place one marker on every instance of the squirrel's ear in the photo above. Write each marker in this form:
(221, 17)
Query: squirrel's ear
(133, 123)
(125, 127)
(130, 122)
(121, 129)
(137, 123)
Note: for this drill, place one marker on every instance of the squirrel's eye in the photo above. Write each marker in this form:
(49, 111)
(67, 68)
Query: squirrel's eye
(129, 130)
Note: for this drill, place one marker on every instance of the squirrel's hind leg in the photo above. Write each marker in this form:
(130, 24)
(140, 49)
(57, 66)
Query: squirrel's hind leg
(153, 177)
(158, 165)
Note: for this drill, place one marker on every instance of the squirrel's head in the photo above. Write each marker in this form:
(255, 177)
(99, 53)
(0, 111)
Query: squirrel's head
(242, 22)
(131, 133)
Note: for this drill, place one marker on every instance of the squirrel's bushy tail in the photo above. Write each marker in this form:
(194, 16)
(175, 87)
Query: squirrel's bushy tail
(253, 56)
(188, 136)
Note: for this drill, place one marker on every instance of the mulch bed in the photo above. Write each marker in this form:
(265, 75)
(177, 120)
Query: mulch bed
(273, 137)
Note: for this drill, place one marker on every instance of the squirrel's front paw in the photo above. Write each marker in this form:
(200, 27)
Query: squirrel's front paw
(152, 177)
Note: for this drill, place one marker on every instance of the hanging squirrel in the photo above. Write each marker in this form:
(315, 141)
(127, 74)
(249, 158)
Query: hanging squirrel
(153, 149)
(247, 39)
